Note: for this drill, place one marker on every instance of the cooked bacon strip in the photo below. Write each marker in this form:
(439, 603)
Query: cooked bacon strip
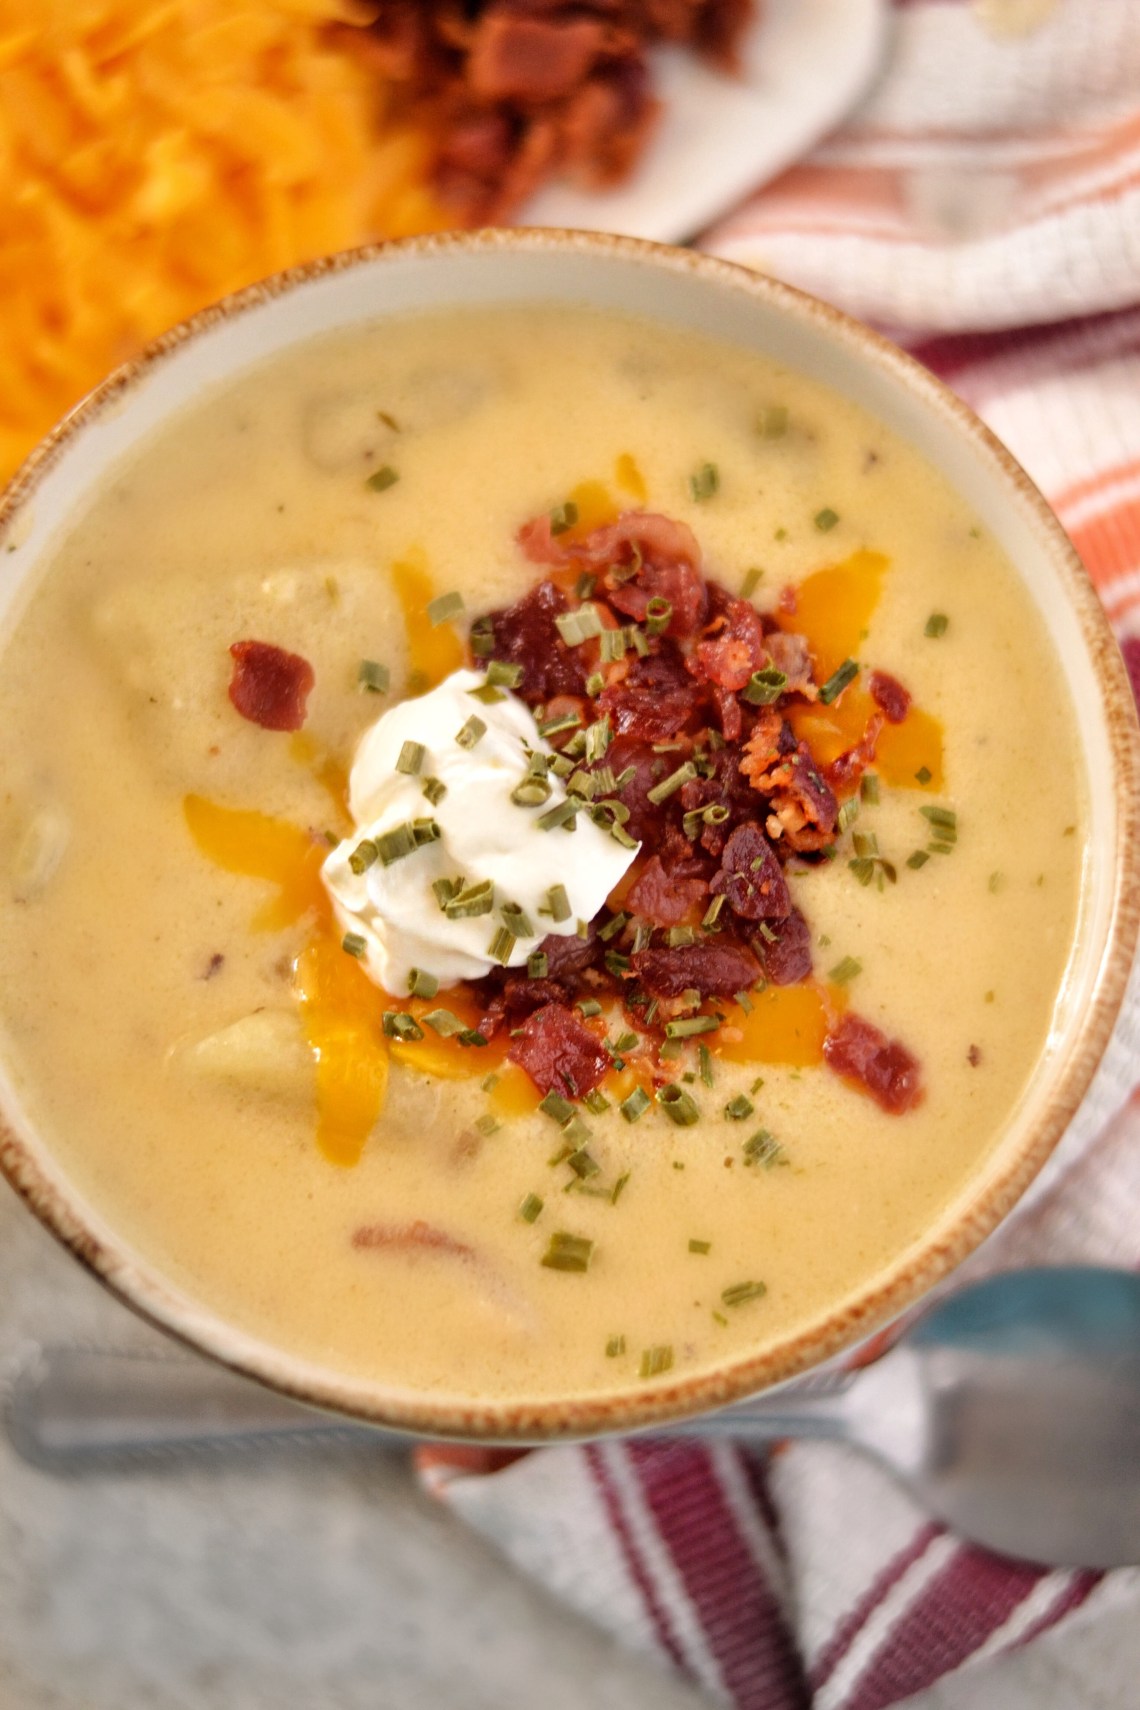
(526, 634)
(785, 951)
(882, 1067)
(714, 970)
(559, 1053)
(887, 692)
(843, 774)
(654, 698)
(734, 646)
(751, 879)
(664, 898)
(270, 687)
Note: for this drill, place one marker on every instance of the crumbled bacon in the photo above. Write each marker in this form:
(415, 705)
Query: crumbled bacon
(887, 692)
(751, 879)
(734, 646)
(270, 687)
(785, 950)
(527, 635)
(882, 1067)
(559, 1053)
(714, 970)
(844, 773)
(790, 654)
(517, 91)
(664, 898)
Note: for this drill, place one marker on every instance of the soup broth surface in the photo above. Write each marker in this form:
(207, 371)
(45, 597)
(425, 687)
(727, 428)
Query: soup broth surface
(123, 947)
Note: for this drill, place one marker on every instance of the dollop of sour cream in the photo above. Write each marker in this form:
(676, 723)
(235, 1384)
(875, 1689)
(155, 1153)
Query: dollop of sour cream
(386, 901)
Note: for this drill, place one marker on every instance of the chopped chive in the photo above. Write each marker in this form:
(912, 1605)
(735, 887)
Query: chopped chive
(763, 1149)
(445, 890)
(471, 902)
(582, 928)
(488, 1125)
(613, 926)
(353, 944)
(563, 517)
(764, 687)
(381, 479)
(532, 792)
(619, 1187)
(924, 774)
(679, 937)
(489, 1081)
(471, 733)
(445, 609)
(434, 790)
(598, 738)
(411, 758)
(584, 1164)
(635, 1105)
(743, 1291)
(482, 638)
(826, 519)
(654, 1361)
(918, 859)
(679, 1106)
(658, 615)
(623, 1042)
(704, 482)
(446, 1024)
(712, 913)
(613, 644)
(398, 1024)
(772, 422)
(568, 1252)
(616, 963)
(936, 624)
(562, 813)
(501, 946)
(425, 831)
(373, 678)
(421, 984)
(394, 845)
(941, 848)
(517, 920)
(615, 1347)
(745, 1002)
(504, 675)
(739, 1109)
(752, 580)
(670, 785)
(944, 818)
(487, 694)
(588, 1006)
(689, 1028)
(363, 856)
(596, 1102)
(579, 626)
(471, 1036)
(537, 965)
(530, 1208)
(700, 1246)
(869, 788)
(557, 1107)
(551, 727)
(845, 970)
(585, 585)
(595, 683)
(848, 811)
(863, 869)
(704, 1065)
(865, 843)
(838, 681)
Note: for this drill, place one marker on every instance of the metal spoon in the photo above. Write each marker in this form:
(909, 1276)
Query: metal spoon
(1011, 1410)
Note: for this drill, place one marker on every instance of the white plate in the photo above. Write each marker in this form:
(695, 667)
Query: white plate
(805, 65)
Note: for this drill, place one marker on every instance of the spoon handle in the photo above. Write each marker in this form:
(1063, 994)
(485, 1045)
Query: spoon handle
(73, 1408)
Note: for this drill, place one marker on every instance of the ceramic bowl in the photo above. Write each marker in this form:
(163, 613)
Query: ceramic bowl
(685, 290)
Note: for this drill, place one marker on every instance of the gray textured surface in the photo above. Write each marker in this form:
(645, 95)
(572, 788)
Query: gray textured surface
(252, 1581)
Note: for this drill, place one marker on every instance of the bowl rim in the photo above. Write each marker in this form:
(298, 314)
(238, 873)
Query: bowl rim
(141, 1285)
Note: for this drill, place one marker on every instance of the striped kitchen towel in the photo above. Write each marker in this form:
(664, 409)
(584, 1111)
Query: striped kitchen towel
(984, 206)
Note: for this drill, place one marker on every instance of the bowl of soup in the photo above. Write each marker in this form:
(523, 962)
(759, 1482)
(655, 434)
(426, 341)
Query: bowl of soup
(567, 833)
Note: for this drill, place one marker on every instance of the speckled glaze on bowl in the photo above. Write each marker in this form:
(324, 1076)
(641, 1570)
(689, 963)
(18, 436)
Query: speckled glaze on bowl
(707, 296)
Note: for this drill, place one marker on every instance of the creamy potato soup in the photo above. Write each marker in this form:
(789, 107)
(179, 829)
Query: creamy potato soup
(842, 884)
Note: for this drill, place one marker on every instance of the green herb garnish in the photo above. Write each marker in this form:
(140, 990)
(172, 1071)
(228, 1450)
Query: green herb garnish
(372, 678)
(562, 813)
(579, 626)
(838, 681)
(763, 1149)
(679, 1106)
(482, 638)
(691, 1026)
(398, 1024)
(563, 517)
(700, 1246)
(743, 1291)
(411, 758)
(421, 984)
(670, 785)
(445, 609)
(826, 519)
(530, 1208)
(434, 790)
(658, 615)
(936, 624)
(504, 675)
(654, 1361)
(869, 788)
(471, 901)
(446, 1024)
(353, 944)
(772, 422)
(568, 1252)
(537, 965)
(635, 1105)
(615, 1347)
(363, 856)
(764, 687)
(381, 479)
(845, 970)
(501, 946)
(738, 1109)
(471, 733)
(918, 859)
(924, 775)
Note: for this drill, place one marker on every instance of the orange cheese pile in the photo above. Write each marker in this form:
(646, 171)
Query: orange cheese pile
(156, 154)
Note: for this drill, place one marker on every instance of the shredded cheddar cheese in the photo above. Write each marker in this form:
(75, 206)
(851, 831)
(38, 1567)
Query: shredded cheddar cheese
(156, 154)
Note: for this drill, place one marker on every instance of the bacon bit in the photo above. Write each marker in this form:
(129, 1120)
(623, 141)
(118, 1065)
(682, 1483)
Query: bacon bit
(653, 698)
(270, 687)
(973, 1056)
(410, 1237)
(786, 959)
(665, 899)
(882, 1067)
(843, 774)
(714, 970)
(559, 1053)
(526, 634)
(790, 654)
(750, 878)
(735, 647)
(804, 809)
(888, 693)
(214, 965)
